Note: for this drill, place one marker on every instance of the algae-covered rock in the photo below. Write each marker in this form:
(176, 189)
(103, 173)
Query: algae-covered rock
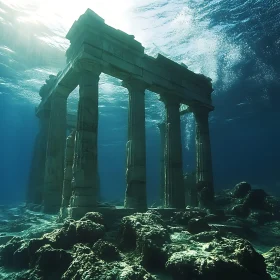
(94, 217)
(241, 190)
(7, 251)
(72, 232)
(183, 217)
(88, 231)
(240, 210)
(272, 260)
(87, 265)
(52, 262)
(106, 251)
(218, 259)
(146, 233)
(214, 255)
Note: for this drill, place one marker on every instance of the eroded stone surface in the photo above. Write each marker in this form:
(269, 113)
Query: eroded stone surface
(145, 246)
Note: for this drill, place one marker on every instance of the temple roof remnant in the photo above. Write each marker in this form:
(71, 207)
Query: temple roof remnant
(118, 54)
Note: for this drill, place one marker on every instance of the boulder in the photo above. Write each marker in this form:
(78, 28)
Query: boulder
(183, 217)
(145, 233)
(106, 251)
(86, 265)
(256, 199)
(241, 190)
(240, 210)
(72, 232)
(94, 217)
(210, 255)
(272, 260)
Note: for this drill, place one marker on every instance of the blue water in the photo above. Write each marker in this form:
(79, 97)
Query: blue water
(236, 43)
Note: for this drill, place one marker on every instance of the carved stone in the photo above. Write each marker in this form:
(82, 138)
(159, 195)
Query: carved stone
(135, 195)
(85, 170)
(53, 180)
(96, 47)
(204, 175)
(174, 194)
(162, 127)
(37, 170)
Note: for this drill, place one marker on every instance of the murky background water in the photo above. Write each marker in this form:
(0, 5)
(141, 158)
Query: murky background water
(236, 43)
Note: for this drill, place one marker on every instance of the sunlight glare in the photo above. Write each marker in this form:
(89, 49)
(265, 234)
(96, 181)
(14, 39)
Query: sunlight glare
(55, 12)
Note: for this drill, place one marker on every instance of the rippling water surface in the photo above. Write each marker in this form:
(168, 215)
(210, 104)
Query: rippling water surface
(236, 43)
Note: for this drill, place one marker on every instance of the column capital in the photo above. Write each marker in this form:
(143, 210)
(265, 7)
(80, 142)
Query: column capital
(61, 91)
(170, 100)
(135, 84)
(87, 65)
(200, 109)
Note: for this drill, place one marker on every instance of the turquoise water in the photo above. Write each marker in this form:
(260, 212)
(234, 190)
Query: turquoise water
(235, 43)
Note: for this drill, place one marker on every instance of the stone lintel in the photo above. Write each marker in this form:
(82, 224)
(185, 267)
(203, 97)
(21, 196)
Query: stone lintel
(89, 65)
(184, 74)
(197, 107)
(122, 66)
(121, 56)
(66, 82)
(135, 84)
(170, 100)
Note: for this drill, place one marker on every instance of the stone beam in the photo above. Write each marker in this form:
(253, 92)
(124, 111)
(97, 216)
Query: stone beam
(120, 55)
(66, 81)
(119, 52)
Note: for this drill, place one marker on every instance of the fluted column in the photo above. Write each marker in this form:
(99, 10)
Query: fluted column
(85, 172)
(204, 175)
(54, 169)
(68, 174)
(174, 195)
(37, 169)
(162, 127)
(135, 195)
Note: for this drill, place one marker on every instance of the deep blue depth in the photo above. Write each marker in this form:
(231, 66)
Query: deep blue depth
(245, 139)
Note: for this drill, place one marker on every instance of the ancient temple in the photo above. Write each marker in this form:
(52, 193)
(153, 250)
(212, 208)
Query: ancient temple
(64, 172)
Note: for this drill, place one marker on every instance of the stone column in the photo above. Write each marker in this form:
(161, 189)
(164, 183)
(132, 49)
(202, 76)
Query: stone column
(162, 127)
(53, 180)
(68, 174)
(85, 171)
(174, 195)
(204, 176)
(135, 195)
(190, 189)
(37, 169)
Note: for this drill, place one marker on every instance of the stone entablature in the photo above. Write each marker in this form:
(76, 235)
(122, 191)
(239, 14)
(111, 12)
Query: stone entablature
(98, 48)
(120, 55)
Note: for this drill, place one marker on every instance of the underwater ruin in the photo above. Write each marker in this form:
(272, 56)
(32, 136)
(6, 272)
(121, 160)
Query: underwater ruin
(64, 230)
(95, 48)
